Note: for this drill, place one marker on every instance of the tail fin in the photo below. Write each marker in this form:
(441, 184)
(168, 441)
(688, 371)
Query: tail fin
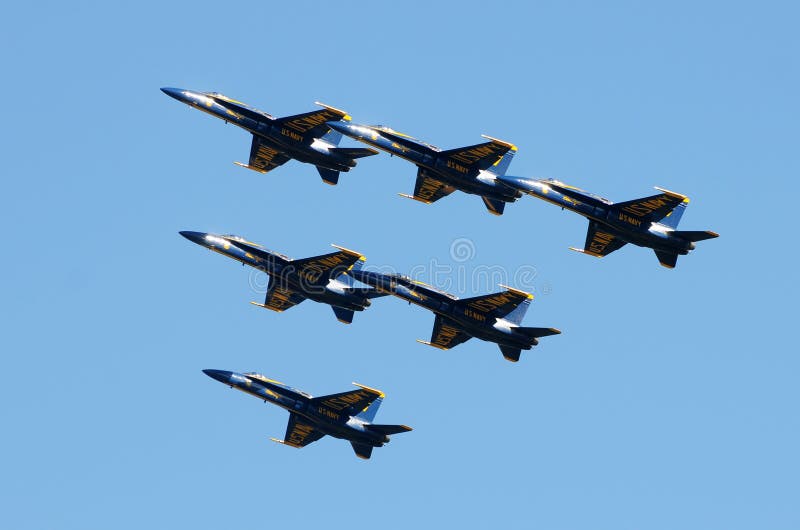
(346, 278)
(368, 414)
(516, 315)
(387, 429)
(674, 217)
(329, 176)
(501, 166)
(332, 137)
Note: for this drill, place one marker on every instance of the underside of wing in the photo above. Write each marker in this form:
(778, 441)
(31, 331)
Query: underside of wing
(470, 160)
(299, 432)
(446, 334)
(263, 157)
(499, 305)
(599, 242)
(653, 208)
(428, 189)
(351, 402)
(304, 128)
(318, 270)
(280, 297)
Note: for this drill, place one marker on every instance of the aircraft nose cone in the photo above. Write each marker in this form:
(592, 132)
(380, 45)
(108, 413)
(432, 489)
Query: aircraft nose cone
(176, 93)
(223, 376)
(194, 237)
(340, 126)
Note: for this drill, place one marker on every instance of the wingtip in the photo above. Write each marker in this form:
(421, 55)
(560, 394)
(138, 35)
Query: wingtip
(365, 387)
(502, 142)
(426, 343)
(350, 251)
(517, 291)
(587, 252)
(673, 193)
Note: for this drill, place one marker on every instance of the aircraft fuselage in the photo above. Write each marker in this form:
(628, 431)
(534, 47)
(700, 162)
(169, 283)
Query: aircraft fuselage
(475, 323)
(618, 223)
(283, 138)
(329, 421)
(281, 269)
(438, 167)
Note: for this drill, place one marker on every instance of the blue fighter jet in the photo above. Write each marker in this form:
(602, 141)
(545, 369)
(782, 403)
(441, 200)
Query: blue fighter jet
(492, 317)
(319, 278)
(648, 222)
(304, 137)
(472, 169)
(347, 415)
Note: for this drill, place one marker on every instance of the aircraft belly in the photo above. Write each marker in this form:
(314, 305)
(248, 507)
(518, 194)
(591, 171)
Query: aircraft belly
(338, 300)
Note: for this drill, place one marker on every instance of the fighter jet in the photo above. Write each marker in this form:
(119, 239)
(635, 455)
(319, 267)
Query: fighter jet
(472, 169)
(649, 222)
(347, 415)
(492, 317)
(304, 137)
(319, 278)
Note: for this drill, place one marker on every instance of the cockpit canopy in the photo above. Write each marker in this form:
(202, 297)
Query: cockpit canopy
(263, 379)
(386, 129)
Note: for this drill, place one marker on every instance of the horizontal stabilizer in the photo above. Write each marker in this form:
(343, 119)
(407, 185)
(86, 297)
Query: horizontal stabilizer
(387, 429)
(362, 450)
(353, 152)
(695, 235)
(667, 259)
(537, 332)
(510, 353)
(494, 206)
(345, 316)
(329, 176)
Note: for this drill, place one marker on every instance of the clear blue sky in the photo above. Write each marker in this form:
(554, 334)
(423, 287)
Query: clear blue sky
(670, 401)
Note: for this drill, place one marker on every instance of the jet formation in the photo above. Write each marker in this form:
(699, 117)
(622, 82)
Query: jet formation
(480, 169)
(472, 169)
(493, 317)
(346, 415)
(305, 137)
(648, 222)
(318, 278)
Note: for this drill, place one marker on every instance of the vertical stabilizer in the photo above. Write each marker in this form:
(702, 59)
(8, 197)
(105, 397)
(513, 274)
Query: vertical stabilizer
(674, 217)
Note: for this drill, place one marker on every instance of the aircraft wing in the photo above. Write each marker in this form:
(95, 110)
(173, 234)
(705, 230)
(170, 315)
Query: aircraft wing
(653, 208)
(299, 432)
(446, 334)
(498, 305)
(474, 158)
(428, 189)
(311, 125)
(599, 243)
(351, 402)
(264, 158)
(279, 297)
(318, 270)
